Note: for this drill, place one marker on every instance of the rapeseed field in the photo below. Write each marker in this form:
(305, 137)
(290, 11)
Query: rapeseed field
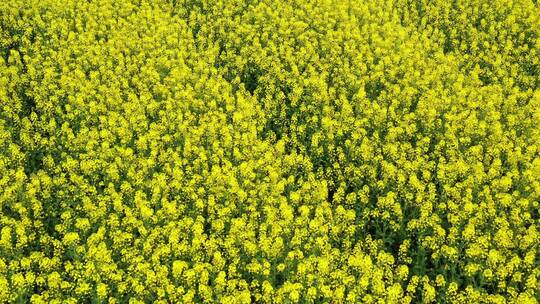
(269, 151)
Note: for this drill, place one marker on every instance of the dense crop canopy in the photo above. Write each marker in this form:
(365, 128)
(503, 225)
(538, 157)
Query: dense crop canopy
(268, 151)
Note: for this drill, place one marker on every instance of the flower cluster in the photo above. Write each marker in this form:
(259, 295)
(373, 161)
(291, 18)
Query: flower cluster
(268, 151)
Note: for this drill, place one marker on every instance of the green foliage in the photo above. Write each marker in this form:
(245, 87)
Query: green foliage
(239, 151)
